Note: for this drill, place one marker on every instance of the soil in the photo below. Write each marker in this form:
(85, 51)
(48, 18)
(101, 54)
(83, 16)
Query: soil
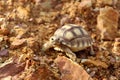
(25, 25)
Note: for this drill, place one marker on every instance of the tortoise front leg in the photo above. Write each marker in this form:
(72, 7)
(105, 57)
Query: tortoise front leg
(69, 53)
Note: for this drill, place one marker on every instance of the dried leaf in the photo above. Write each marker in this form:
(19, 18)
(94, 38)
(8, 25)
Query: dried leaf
(95, 62)
(17, 43)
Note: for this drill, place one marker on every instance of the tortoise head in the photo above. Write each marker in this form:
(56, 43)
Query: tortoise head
(52, 41)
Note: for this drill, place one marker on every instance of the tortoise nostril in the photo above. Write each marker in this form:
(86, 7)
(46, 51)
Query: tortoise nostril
(58, 39)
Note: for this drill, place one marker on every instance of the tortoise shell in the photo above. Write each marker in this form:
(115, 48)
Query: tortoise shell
(73, 36)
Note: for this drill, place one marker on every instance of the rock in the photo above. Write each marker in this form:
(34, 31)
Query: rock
(65, 19)
(11, 69)
(4, 53)
(71, 70)
(116, 46)
(41, 73)
(92, 73)
(107, 23)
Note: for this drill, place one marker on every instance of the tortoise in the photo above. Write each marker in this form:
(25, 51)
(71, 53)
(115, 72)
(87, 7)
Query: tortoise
(70, 38)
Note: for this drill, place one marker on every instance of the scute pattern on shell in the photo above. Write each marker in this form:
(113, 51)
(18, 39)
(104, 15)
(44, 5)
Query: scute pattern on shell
(74, 36)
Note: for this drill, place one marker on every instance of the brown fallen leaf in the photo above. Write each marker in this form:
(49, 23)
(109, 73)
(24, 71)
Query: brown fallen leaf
(95, 62)
(17, 43)
(71, 70)
(4, 31)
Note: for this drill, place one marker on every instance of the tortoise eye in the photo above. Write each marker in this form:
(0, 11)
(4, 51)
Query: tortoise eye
(52, 38)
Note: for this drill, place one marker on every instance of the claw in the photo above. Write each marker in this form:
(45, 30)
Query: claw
(92, 51)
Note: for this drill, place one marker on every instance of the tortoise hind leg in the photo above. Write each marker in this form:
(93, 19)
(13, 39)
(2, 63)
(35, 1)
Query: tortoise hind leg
(92, 51)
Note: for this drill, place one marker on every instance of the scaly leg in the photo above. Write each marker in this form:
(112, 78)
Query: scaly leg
(92, 51)
(69, 53)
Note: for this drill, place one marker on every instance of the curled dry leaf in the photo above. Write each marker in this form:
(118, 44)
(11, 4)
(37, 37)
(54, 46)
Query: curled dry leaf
(46, 4)
(71, 70)
(95, 62)
(4, 31)
(7, 78)
(65, 19)
(86, 4)
(31, 42)
(17, 43)
(19, 31)
(85, 7)
(23, 13)
(116, 47)
(1, 38)
(106, 45)
(107, 2)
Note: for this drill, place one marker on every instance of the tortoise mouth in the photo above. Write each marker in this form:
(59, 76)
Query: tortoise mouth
(47, 46)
